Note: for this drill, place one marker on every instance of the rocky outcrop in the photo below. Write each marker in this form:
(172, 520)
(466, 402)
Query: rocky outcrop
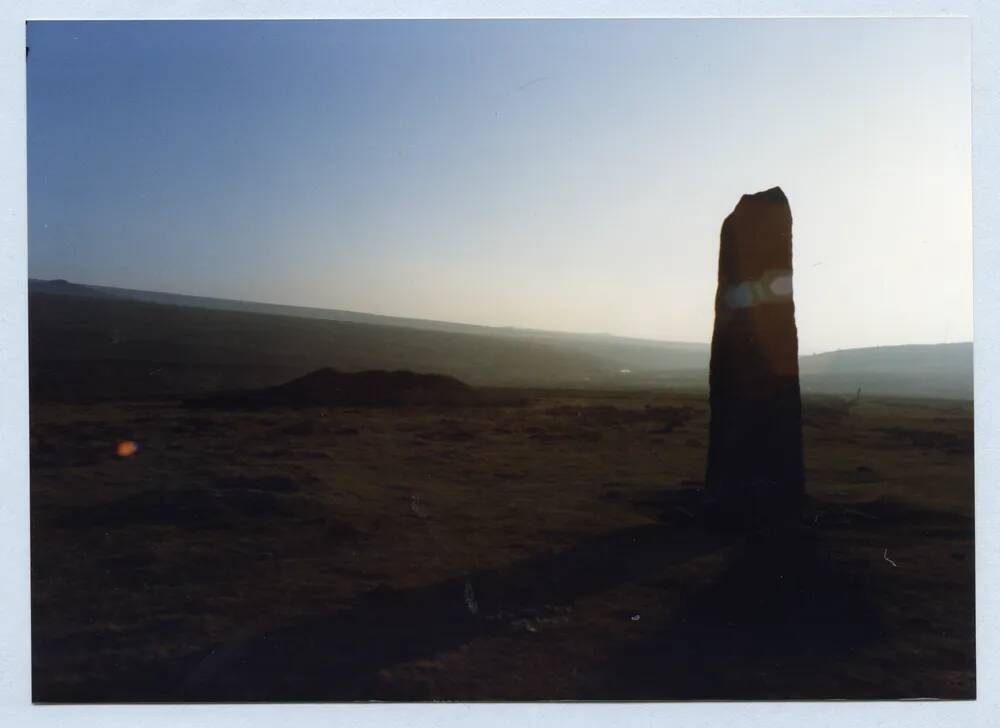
(755, 464)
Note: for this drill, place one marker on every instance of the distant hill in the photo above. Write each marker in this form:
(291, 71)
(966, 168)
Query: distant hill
(223, 304)
(106, 341)
(60, 287)
(105, 347)
(913, 370)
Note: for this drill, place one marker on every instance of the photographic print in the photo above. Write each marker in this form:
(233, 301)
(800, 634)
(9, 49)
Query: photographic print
(500, 360)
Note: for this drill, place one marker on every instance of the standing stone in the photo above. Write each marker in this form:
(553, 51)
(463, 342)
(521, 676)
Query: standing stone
(755, 467)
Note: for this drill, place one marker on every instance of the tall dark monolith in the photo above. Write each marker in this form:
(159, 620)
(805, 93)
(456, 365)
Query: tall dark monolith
(755, 469)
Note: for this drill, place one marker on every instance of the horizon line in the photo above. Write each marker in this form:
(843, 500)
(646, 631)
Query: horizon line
(471, 325)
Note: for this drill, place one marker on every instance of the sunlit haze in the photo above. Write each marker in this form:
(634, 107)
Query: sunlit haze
(568, 175)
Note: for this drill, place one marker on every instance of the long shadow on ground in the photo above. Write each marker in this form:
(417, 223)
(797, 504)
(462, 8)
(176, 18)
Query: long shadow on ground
(783, 612)
(337, 657)
(781, 608)
(785, 620)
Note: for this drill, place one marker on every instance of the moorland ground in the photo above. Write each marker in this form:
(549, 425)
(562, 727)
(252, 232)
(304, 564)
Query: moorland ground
(544, 546)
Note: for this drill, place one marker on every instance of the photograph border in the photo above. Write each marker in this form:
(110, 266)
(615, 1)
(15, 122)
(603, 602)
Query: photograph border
(15, 701)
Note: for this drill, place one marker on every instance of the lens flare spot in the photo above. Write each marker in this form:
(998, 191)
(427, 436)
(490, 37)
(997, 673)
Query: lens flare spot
(740, 296)
(781, 286)
(127, 448)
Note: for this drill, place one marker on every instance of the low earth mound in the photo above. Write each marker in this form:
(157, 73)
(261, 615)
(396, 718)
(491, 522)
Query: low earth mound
(328, 387)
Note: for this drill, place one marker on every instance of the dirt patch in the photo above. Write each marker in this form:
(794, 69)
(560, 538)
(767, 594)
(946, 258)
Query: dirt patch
(331, 388)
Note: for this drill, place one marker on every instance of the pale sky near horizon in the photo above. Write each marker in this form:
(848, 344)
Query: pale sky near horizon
(567, 175)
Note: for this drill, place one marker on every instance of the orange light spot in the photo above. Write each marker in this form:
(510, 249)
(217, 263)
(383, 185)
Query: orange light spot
(127, 449)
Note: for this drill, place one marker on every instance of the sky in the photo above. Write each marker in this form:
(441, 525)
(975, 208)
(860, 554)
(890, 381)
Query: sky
(569, 175)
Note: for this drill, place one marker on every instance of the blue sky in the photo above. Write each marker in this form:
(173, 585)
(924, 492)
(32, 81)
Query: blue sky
(556, 174)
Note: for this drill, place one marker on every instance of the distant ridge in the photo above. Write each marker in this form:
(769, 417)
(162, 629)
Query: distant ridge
(915, 370)
(93, 340)
(63, 287)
